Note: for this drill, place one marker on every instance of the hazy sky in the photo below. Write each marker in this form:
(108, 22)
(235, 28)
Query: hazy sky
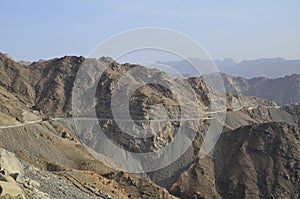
(35, 29)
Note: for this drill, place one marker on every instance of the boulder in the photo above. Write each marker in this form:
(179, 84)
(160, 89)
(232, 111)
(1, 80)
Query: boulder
(10, 189)
(11, 165)
(9, 179)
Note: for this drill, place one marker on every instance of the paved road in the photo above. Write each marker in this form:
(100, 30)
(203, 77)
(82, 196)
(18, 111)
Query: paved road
(21, 124)
(96, 119)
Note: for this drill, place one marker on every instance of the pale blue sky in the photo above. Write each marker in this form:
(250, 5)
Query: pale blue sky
(35, 29)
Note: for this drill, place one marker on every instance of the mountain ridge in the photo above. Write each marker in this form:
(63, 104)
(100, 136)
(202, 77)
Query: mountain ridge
(284, 90)
(41, 92)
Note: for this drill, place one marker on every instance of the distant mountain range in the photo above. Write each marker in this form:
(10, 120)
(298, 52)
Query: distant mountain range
(267, 67)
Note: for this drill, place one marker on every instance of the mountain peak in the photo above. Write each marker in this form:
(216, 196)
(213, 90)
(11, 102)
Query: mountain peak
(6, 56)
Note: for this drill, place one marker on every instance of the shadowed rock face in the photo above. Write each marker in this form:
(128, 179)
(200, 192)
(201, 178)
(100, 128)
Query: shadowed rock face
(257, 155)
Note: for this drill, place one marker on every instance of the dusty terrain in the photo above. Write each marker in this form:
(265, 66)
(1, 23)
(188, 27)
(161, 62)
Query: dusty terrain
(257, 155)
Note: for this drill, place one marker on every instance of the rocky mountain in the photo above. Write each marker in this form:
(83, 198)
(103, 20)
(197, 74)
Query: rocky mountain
(255, 161)
(43, 154)
(30, 95)
(284, 90)
(268, 67)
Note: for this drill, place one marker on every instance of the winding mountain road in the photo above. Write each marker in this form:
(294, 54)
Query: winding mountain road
(210, 117)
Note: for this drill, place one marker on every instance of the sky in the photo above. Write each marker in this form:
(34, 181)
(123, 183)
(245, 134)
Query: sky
(31, 30)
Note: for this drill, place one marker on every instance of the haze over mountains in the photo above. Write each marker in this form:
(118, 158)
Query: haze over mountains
(270, 67)
(274, 79)
(42, 154)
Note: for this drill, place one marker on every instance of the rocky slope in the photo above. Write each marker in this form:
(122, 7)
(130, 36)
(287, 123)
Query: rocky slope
(44, 87)
(18, 179)
(52, 145)
(284, 90)
(264, 162)
(255, 161)
(36, 102)
(274, 79)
